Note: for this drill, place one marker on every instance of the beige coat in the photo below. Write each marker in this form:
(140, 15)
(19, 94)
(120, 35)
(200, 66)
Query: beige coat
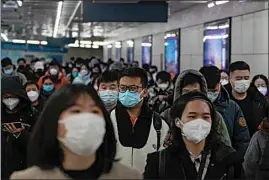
(118, 171)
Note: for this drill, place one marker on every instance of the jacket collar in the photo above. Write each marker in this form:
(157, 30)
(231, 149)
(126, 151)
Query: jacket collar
(223, 98)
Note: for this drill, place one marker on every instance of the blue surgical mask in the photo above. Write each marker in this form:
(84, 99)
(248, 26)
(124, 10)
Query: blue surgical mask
(109, 97)
(8, 71)
(212, 96)
(74, 74)
(129, 99)
(48, 88)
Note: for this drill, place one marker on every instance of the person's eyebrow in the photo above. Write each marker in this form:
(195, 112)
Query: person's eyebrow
(192, 113)
(207, 114)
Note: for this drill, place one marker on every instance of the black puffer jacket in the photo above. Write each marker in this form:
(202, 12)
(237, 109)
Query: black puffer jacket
(14, 149)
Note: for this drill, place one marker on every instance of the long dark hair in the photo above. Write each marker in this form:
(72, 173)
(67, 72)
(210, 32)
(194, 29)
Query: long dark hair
(260, 76)
(177, 111)
(44, 148)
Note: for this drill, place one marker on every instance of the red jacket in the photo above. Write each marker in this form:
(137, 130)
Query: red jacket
(61, 80)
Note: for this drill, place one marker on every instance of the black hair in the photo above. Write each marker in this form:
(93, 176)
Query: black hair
(108, 76)
(164, 76)
(212, 76)
(84, 63)
(136, 72)
(154, 67)
(45, 78)
(179, 106)
(21, 59)
(5, 62)
(263, 77)
(44, 148)
(30, 82)
(239, 65)
(190, 79)
(122, 59)
(146, 67)
(54, 62)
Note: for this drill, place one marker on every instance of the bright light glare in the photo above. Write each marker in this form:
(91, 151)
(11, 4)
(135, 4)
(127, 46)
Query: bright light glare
(146, 44)
(221, 2)
(109, 46)
(44, 42)
(19, 3)
(73, 45)
(18, 41)
(212, 27)
(224, 26)
(216, 37)
(4, 37)
(210, 5)
(33, 42)
(95, 46)
(59, 11)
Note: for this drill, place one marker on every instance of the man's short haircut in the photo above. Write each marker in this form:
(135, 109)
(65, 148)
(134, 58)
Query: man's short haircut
(5, 62)
(134, 72)
(21, 59)
(108, 76)
(163, 75)
(239, 65)
(190, 79)
(212, 76)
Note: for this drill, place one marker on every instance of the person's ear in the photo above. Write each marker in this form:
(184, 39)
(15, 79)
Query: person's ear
(178, 123)
(144, 93)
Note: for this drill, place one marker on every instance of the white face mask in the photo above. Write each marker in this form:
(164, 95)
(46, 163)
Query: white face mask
(263, 90)
(163, 86)
(84, 133)
(33, 95)
(224, 82)
(53, 71)
(83, 72)
(11, 103)
(196, 130)
(241, 86)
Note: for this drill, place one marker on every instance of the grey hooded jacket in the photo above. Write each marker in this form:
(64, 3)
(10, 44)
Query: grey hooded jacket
(21, 76)
(220, 128)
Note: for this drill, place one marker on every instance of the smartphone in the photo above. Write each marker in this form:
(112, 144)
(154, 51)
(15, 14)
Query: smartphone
(16, 124)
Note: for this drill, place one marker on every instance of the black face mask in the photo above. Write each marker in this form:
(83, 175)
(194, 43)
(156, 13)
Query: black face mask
(21, 67)
(39, 73)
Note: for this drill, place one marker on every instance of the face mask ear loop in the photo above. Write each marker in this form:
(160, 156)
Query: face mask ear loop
(178, 123)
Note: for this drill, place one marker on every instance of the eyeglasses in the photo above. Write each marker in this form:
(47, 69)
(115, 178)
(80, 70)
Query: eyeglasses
(132, 88)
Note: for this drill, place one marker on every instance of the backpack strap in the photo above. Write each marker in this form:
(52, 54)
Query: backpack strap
(157, 123)
(161, 168)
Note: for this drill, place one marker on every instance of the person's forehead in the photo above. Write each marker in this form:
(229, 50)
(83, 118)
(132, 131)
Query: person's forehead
(197, 106)
(130, 80)
(48, 80)
(260, 81)
(241, 73)
(223, 74)
(192, 86)
(31, 86)
(108, 83)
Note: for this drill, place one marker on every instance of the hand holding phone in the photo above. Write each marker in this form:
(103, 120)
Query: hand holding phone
(12, 128)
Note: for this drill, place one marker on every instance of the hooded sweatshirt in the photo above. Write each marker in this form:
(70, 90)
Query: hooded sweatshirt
(14, 148)
(220, 125)
(21, 76)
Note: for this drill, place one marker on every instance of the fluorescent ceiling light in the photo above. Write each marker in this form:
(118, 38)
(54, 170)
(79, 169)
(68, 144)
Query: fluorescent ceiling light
(73, 45)
(118, 43)
(117, 46)
(33, 42)
(224, 26)
(109, 46)
(88, 46)
(99, 43)
(210, 5)
(82, 45)
(212, 27)
(18, 41)
(57, 20)
(146, 44)
(95, 46)
(73, 15)
(166, 44)
(19, 3)
(4, 37)
(216, 37)
(130, 42)
(44, 42)
(221, 2)
(85, 42)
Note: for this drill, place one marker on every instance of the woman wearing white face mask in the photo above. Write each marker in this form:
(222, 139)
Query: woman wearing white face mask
(74, 139)
(83, 75)
(33, 93)
(194, 153)
(261, 83)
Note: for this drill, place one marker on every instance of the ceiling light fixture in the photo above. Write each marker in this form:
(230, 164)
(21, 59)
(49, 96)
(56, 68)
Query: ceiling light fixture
(44, 42)
(95, 46)
(109, 46)
(210, 5)
(33, 42)
(57, 20)
(19, 3)
(221, 2)
(4, 37)
(73, 15)
(18, 41)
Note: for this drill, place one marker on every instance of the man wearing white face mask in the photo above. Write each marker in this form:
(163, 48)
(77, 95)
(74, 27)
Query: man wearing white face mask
(252, 103)
(230, 111)
(159, 93)
(17, 118)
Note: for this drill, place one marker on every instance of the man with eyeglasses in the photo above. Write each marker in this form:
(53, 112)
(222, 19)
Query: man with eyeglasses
(139, 131)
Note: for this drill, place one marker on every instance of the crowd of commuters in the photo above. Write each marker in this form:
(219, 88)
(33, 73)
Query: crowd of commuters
(88, 119)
